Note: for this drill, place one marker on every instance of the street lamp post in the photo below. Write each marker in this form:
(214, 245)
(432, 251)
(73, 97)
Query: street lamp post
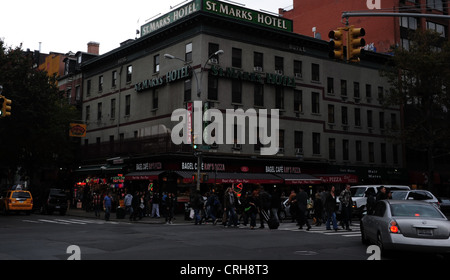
(198, 154)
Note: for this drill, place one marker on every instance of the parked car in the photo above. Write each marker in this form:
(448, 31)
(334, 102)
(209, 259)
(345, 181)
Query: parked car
(416, 195)
(444, 203)
(409, 225)
(15, 201)
(359, 195)
(54, 200)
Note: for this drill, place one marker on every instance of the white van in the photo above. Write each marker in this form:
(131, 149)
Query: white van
(359, 195)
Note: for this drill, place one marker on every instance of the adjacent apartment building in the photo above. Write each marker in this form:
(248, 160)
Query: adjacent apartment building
(318, 17)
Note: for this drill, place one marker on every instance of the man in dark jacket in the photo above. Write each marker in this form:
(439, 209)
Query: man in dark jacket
(197, 204)
(302, 201)
(230, 201)
(330, 208)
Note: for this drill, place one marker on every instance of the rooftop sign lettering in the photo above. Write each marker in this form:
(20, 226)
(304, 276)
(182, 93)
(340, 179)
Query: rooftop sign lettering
(220, 9)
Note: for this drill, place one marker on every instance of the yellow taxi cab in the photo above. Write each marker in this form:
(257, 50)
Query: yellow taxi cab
(15, 201)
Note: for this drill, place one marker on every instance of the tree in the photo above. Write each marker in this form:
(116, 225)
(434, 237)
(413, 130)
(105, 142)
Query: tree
(420, 85)
(35, 136)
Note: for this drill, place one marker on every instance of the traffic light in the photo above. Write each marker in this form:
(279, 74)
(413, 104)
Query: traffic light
(336, 44)
(5, 107)
(194, 144)
(354, 43)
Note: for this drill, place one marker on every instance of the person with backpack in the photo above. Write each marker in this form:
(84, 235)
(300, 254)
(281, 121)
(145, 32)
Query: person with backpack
(302, 202)
(230, 202)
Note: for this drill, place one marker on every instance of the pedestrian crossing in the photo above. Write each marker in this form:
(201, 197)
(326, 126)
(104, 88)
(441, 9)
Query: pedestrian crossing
(355, 232)
(69, 221)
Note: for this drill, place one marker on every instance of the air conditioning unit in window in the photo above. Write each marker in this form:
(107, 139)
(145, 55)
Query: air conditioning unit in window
(298, 75)
(213, 61)
(299, 151)
(258, 69)
(279, 72)
(237, 147)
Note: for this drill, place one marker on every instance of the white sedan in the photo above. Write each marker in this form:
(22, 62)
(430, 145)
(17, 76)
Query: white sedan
(406, 225)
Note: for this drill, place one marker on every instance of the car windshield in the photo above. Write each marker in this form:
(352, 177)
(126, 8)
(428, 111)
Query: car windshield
(357, 192)
(415, 210)
(21, 195)
(399, 195)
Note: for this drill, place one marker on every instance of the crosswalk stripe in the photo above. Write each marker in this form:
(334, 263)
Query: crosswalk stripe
(53, 222)
(70, 221)
(355, 232)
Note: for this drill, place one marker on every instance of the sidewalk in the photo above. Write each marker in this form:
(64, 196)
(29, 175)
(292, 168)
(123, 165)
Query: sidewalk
(178, 218)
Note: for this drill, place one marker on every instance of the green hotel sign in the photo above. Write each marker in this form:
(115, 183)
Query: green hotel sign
(220, 9)
(251, 16)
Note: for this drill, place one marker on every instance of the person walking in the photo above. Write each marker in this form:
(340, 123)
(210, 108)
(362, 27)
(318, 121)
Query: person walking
(169, 207)
(197, 204)
(107, 203)
(251, 210)
(265, 201)
(127, 201)
(230, 202)
(97, 202)
(155, 205)
(302, 202)
(330, 209)
(318, 209)
(345, 199)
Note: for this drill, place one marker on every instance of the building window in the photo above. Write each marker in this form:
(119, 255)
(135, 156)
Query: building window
(99, 111)
(331, 113)
(78, 93)
(236, 58)
(298, 140)
(128, 105)
(435, 4)
(88, 113)
(332, 149)
(213, 48)
(394, 121)
(439, 28)
(371, 152)
(129, 73)
(344, 115)
(258, 61)
(113, 108)
(383, 153)
(114, 78)
(357, 117)
(88, 87)
(330, 85)
(298, 101)
(345, 151)
(356, 92)
(369, 119)
(381, 115)
(279, 65)
(316, 143)
(315, 72)
(188, 53)
(298, 73)
(187, 90)
(343, 87)
(358, 150)
(100, 83)
(395, 153)
(315, 103)
(258, 98)
(236, 92)
(213, 87)
(279, 98)
(281, 139)
(156, 62)
(380, 94)
(368, 92)
(155, 99)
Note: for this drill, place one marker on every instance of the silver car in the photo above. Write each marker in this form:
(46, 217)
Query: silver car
(409, 225)
(416, 195)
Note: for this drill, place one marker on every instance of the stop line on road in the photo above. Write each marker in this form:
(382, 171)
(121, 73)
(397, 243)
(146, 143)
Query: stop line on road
(355, 232)
(69, 221)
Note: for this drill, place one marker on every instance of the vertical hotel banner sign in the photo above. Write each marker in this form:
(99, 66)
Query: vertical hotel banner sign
(221, 9)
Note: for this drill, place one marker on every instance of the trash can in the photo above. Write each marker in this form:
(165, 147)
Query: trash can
(120, 213)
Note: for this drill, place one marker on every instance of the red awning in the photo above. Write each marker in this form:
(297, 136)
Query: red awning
(299, 179)
(338, 178)
(244, 178)
(141, 176)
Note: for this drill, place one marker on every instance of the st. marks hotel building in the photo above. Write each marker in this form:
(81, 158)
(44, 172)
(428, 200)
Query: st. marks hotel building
(333, 126)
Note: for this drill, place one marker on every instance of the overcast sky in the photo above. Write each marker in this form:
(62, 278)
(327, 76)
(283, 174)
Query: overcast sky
(64, 26)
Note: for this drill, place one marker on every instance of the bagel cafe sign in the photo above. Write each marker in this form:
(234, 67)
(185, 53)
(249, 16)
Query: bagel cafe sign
(220, 9)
